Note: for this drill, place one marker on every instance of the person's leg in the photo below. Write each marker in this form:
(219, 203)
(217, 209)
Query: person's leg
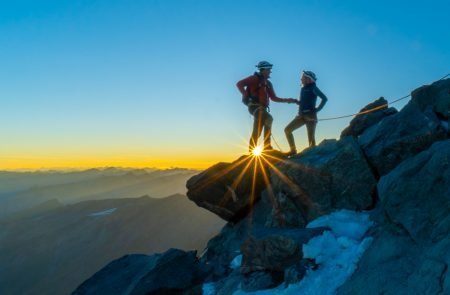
(311, 123)
(257, 127)
(268, 120)
(294, 124)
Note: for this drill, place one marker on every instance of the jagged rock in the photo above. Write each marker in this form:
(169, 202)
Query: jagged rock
(224, 247)
(333, 175)
(296, 272)
(228, 284)
(361, 122)
(231, 189)
(399, 137)
(409, 253)
(173, 272)
(274, 253)
(261, 280)
(436, 95)
(420, 186)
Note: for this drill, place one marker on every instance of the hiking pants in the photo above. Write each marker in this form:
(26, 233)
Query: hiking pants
(310, 119)
(261, 119)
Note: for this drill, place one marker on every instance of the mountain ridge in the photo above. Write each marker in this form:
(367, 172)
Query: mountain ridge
(391, 163)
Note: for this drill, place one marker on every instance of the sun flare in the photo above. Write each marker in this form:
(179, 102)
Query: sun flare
(257, 151)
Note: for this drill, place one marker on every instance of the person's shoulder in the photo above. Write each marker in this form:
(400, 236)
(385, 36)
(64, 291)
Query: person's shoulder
(252, 79)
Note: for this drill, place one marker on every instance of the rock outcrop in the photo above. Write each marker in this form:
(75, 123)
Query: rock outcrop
(230, 189)
(334, 175)
(173, 272)
(399, 137)
(369, 116)
(436, 96)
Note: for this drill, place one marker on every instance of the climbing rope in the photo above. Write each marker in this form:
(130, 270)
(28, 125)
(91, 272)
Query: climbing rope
(362, 112)
(375, 108)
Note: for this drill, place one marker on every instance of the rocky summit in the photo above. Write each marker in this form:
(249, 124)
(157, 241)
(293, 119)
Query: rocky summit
(393, 166)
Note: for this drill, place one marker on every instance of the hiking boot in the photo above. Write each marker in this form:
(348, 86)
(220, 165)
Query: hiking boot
(268, 148)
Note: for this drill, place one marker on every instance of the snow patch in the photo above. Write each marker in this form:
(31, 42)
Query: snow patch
(236, 262)
(103, 213)
(209, 289)
(336, 252)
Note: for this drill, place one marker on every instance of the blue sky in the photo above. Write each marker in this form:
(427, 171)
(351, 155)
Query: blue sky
(152, 83)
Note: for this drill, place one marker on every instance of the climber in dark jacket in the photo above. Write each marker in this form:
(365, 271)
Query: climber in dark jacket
(256, 91)
(307, 113)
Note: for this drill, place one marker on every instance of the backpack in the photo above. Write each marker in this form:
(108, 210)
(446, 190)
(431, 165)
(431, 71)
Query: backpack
(252, 99)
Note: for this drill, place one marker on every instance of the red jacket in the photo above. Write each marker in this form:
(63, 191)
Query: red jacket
(258, 86)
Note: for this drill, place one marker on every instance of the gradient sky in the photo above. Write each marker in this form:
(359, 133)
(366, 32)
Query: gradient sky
(152, 83)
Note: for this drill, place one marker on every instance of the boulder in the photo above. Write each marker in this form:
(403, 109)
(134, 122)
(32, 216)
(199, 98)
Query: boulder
(333, 175)
(416, 194)
(173, 272)
(363, 121)
(399, 137)
(231, 189)
(274, 253)
(436, 95)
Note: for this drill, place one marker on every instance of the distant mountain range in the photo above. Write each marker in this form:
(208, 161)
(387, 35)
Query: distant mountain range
(23, 190)
(52, 248)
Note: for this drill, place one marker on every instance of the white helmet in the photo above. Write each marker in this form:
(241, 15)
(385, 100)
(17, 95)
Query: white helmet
(264, 65)
(310, 75)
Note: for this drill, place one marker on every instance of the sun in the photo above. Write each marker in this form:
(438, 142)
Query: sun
(257, 151)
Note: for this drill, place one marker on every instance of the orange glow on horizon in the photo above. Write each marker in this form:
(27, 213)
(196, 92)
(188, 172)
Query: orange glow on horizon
(79, 162)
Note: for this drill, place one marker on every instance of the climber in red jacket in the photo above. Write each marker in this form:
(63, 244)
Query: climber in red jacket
(256, 91)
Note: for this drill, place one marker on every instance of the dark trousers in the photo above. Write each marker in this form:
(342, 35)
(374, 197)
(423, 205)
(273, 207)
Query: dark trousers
(310, 119)
(261, 120)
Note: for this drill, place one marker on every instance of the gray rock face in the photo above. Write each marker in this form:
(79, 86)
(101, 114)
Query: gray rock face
(361, 122)
(399, 137)
(274, 253)
(436, 95)
(257, 271)
(231, 189)
(172, 272)
(417, 193)
(224, 247)
(261, 280)
(334, 175)
(410, 252)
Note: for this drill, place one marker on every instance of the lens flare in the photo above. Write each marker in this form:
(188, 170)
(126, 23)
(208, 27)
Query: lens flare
(257, 151)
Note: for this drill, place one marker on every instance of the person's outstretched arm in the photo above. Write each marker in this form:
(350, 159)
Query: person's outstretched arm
(274, 97)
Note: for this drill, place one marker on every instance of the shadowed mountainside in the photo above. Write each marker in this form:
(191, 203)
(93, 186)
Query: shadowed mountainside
(53, 248)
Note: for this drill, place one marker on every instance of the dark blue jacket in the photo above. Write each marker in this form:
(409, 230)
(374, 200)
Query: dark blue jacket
(308, 99)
